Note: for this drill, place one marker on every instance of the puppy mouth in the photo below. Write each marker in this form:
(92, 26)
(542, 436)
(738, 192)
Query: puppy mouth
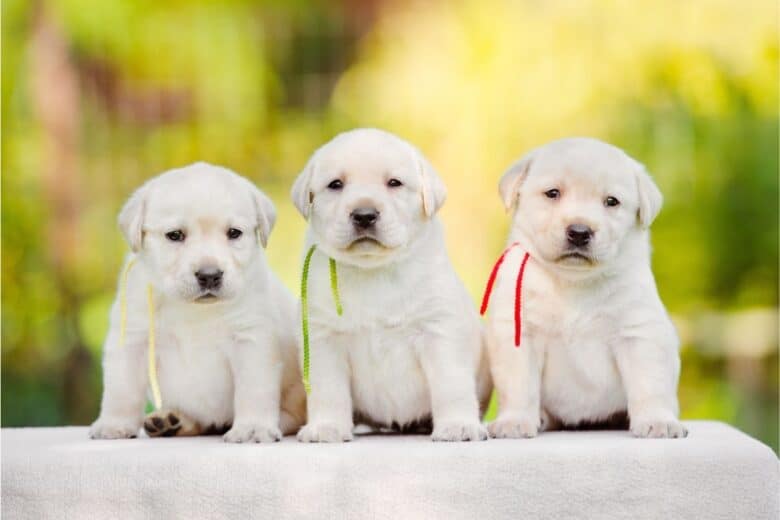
(576, 257)
(365, 244)
(207, 297)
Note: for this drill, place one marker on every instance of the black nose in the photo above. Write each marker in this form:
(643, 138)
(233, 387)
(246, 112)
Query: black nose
(364, 217)
(579, 235)
(209, 278)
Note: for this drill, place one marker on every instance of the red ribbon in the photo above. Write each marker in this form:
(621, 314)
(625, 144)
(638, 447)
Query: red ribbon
(518, 290)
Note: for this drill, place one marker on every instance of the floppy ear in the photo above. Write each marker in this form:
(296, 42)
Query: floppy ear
(266, 214)
(650, 198)
(509, 185)
(131, 218)
(434, 192)
(301, 193)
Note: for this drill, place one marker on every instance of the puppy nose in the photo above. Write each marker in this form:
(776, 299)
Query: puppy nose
(579, 234)
(364, 217)
(209, 278)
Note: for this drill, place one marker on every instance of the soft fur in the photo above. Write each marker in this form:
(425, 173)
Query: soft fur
(596, 340)
(408, 344)
(227, 357)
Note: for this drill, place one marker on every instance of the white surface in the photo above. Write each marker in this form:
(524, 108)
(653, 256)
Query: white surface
(717, 472)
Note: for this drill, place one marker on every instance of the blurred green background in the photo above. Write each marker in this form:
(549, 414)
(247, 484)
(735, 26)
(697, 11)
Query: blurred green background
(98, 96)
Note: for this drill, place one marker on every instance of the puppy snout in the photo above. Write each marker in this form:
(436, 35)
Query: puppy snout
(579, 235)
(364, 218)
(209, 278)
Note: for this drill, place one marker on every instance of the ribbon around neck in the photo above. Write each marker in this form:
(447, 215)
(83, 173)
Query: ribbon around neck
(151, 341)
(334, 287)
(518, 291)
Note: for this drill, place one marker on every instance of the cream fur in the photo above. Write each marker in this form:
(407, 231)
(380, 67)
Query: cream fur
(228, 360)
(596, 337)
(408, 344)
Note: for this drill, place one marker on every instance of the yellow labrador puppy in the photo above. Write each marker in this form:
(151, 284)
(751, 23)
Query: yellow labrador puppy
(224, 324)
(596, 343)
(408, 345)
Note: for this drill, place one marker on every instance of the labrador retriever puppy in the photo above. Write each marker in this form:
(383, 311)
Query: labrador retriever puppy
(224, 325)
(596, 342)
(408, 346)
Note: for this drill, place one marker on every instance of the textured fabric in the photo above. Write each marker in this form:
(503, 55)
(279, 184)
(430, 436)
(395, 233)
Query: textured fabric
(717, 472)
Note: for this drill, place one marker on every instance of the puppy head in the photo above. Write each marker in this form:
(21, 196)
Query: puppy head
(367, 194)
(579, 201)
(198, 230)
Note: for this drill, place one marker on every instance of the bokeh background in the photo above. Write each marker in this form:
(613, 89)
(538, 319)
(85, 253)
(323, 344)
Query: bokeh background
(98, 96)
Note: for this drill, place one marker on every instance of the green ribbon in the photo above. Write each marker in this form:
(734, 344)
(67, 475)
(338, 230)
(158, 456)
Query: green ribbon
(334, 287)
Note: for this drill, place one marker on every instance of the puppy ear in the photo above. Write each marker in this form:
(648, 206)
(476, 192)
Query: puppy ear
(434, 192)
(513, 178)
(301, 193)
(650, 198)
(266, 214)
(131, 218)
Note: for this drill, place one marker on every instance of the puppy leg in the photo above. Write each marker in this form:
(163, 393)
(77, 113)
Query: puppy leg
(293, 414)
(649, 373)
(453, 390)
(257, 380)
(124, 390)
(329, 403)
(517, 376)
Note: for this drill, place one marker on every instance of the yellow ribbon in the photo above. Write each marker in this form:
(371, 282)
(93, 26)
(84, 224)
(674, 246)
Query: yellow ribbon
(152, 367)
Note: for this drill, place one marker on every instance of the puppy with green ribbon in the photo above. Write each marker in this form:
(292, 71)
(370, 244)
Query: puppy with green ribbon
(389, 336)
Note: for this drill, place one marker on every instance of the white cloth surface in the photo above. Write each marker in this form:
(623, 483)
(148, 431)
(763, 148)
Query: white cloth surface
(717, 472)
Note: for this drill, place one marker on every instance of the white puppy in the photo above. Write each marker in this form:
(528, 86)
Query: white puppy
(408, 345)
(223, 323)
(596, 339)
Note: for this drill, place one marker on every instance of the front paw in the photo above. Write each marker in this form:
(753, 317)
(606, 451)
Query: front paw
(325, 432)
(114, 429)
(253, 432)
(459, 431)
(515, 427)
(658, 427)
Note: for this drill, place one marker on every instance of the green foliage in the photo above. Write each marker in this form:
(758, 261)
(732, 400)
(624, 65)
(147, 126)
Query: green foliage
(687, 88)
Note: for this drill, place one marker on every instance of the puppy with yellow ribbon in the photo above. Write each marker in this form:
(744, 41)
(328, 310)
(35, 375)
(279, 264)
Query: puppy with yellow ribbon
(201, 325)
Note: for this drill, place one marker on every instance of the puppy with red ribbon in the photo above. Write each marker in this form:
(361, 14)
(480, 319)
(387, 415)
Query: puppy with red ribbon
(577, 333)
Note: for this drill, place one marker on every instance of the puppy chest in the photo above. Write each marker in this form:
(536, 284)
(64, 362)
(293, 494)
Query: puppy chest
(579, 374)
(193, 369)
(388, 384)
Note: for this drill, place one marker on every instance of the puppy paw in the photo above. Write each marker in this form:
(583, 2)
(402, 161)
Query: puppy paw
(658, 428)
(325, 432)
(253, 432)
(114, 429)
(459, 431)
(169, 423)
(514, 428)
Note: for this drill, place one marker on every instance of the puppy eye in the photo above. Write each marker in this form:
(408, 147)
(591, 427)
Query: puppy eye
(335, 184)
(234, 233)
(394, 183)
(552, 194)
(611, 202)
(176, 235)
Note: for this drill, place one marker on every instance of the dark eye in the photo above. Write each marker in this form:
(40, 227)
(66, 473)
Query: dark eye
(611, 201)
(234, 233)
(394, 183)
(176, 235)
(552, 194)
(335, 184)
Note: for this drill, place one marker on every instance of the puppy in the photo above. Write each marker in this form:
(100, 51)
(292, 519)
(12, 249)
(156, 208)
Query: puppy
(223, 323)
(596, 340)
(408, 345)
